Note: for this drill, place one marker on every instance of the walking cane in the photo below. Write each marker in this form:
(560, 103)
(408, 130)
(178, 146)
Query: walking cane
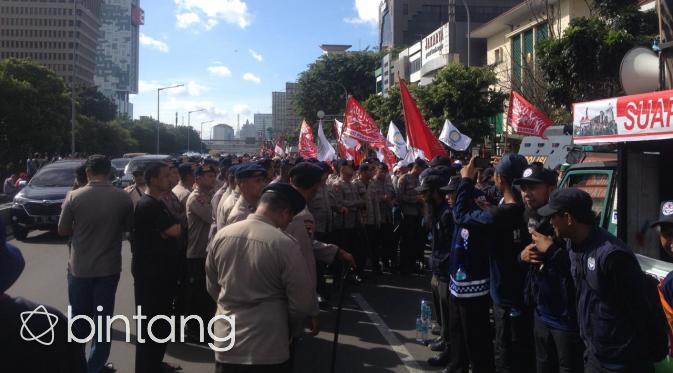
(337, 323)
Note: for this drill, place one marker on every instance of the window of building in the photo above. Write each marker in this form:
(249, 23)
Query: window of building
(523, 54)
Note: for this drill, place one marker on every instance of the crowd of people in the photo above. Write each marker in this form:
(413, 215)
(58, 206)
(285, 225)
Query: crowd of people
(523, 280)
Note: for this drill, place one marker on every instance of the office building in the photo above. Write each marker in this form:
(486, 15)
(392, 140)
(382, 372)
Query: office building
(61, 35)
(248, 131)
(285, 119)
(117, 55)
(434, 33)
(264, 126)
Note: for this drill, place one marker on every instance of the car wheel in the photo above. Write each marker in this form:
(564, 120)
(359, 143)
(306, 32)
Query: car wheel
(20, 233)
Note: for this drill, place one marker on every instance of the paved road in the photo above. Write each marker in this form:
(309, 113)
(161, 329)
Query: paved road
(377, 329)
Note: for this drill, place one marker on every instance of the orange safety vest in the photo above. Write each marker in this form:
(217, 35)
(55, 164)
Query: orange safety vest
(668, 310)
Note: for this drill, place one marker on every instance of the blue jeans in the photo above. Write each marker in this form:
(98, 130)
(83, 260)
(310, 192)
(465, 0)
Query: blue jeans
(86, 294)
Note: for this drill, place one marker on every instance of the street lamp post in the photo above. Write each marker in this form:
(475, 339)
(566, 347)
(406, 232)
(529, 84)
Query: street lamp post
(202, 123)
(158, 103)
(189, 124)
(469, 37)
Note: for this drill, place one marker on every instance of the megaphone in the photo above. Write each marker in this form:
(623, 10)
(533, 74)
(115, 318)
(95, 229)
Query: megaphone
(639, 72)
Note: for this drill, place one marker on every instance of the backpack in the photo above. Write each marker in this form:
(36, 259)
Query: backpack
(656, 325)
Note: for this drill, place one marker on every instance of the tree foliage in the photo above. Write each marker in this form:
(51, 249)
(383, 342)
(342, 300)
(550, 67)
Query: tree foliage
(94, 104)
(583, 64)
(34, 110)
(319, 87)
(459, 93)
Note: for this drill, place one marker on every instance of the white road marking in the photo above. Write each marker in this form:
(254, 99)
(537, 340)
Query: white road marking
(401, 351)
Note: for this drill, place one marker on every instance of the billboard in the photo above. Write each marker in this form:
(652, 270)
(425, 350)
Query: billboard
(436, 44)
(647, 116)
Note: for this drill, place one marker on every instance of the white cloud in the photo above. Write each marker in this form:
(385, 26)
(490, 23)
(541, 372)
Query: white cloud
(230, 11)
(219, 70)
(368, 12)
(256, 55)
(192, 88)
(242, 109)
(185, 20)
(252, 78)
(153, 43)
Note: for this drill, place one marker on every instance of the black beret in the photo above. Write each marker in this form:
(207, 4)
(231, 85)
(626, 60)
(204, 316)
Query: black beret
(205, 168)
(248, 170)
(308, 170)
(289, 193)
(421, 163)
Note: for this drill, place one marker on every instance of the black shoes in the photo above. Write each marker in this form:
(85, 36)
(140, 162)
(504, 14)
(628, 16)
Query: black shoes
(441, 360)
(438, 346)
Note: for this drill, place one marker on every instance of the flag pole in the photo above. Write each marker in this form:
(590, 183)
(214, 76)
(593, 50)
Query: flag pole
(509, 115)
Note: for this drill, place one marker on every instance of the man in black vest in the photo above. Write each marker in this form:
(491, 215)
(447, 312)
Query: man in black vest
(612, 307)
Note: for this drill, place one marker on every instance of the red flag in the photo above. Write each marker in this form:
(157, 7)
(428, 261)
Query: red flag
(348, 146)
(307, 147)
(419, 134)
(525, 118)
(360, 126)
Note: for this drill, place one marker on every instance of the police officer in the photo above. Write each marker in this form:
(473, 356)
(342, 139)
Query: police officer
(250, 180)
(184, 187)
(388, 200)
(513, 321)
(550, 287)
(470, 335)
(612, 310)
(411, 204)
(199, 219)
(138, 188)
(349, 203)
(227, 204)
(370, 217)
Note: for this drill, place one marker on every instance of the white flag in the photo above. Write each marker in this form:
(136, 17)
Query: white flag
(453, 138)
(325, 150)
(397, 144)
(279, 151)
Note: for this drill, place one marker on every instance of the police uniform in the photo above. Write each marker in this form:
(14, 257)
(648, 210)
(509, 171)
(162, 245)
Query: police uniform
(321, 207)
(135, 192)
(225, 207)
(182, 192)
(411, 240)
(371, 221)
(388, 252)
(348, 195)
(199, 218)
(240, 211)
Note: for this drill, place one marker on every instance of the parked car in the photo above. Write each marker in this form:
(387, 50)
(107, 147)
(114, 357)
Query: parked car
(119, 164)
(38, 205)
(139, 161)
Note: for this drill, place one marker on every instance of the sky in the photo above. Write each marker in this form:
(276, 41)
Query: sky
(231, 54)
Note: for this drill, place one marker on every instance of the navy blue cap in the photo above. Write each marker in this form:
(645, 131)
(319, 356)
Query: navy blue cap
(308, 171)
(511, 166)
(440, 160)
(248, 170)
(289, 193)
(665, 214)
(574, 201)
(537, 174)
(204, 168)
(225, 162)
(344, 162)
(185, 169)
(433, 178)
(420, 162)
(452, 186)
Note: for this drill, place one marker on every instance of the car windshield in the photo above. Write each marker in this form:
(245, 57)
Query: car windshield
(54, 177)
(141, 163)
(120, 162)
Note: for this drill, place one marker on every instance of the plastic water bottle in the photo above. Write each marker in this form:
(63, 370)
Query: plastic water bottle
(460, 274)
(426, 311)
(420, 337)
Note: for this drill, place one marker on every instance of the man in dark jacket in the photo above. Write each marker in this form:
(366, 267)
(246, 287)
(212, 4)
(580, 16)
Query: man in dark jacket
(442, 229)
(505, 225)
(612, 311)
(550, 287)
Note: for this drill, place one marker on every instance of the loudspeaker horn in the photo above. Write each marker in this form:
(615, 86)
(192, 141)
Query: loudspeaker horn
(639, 72)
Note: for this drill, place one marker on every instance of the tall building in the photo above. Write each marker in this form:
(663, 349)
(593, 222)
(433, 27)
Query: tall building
(117, 55)
(285, 118)
(264, 126)
(248, 131)
(59, 34)
(434, 33)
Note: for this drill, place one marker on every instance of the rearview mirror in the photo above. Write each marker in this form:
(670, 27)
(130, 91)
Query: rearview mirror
(22, 184)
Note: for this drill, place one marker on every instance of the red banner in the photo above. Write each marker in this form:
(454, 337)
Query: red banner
(360, 126)
(307, 147)
(647, 116)
(525, 118)
(419, 134)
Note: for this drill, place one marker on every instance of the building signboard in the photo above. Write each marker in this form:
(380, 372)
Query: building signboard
(436, 44)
